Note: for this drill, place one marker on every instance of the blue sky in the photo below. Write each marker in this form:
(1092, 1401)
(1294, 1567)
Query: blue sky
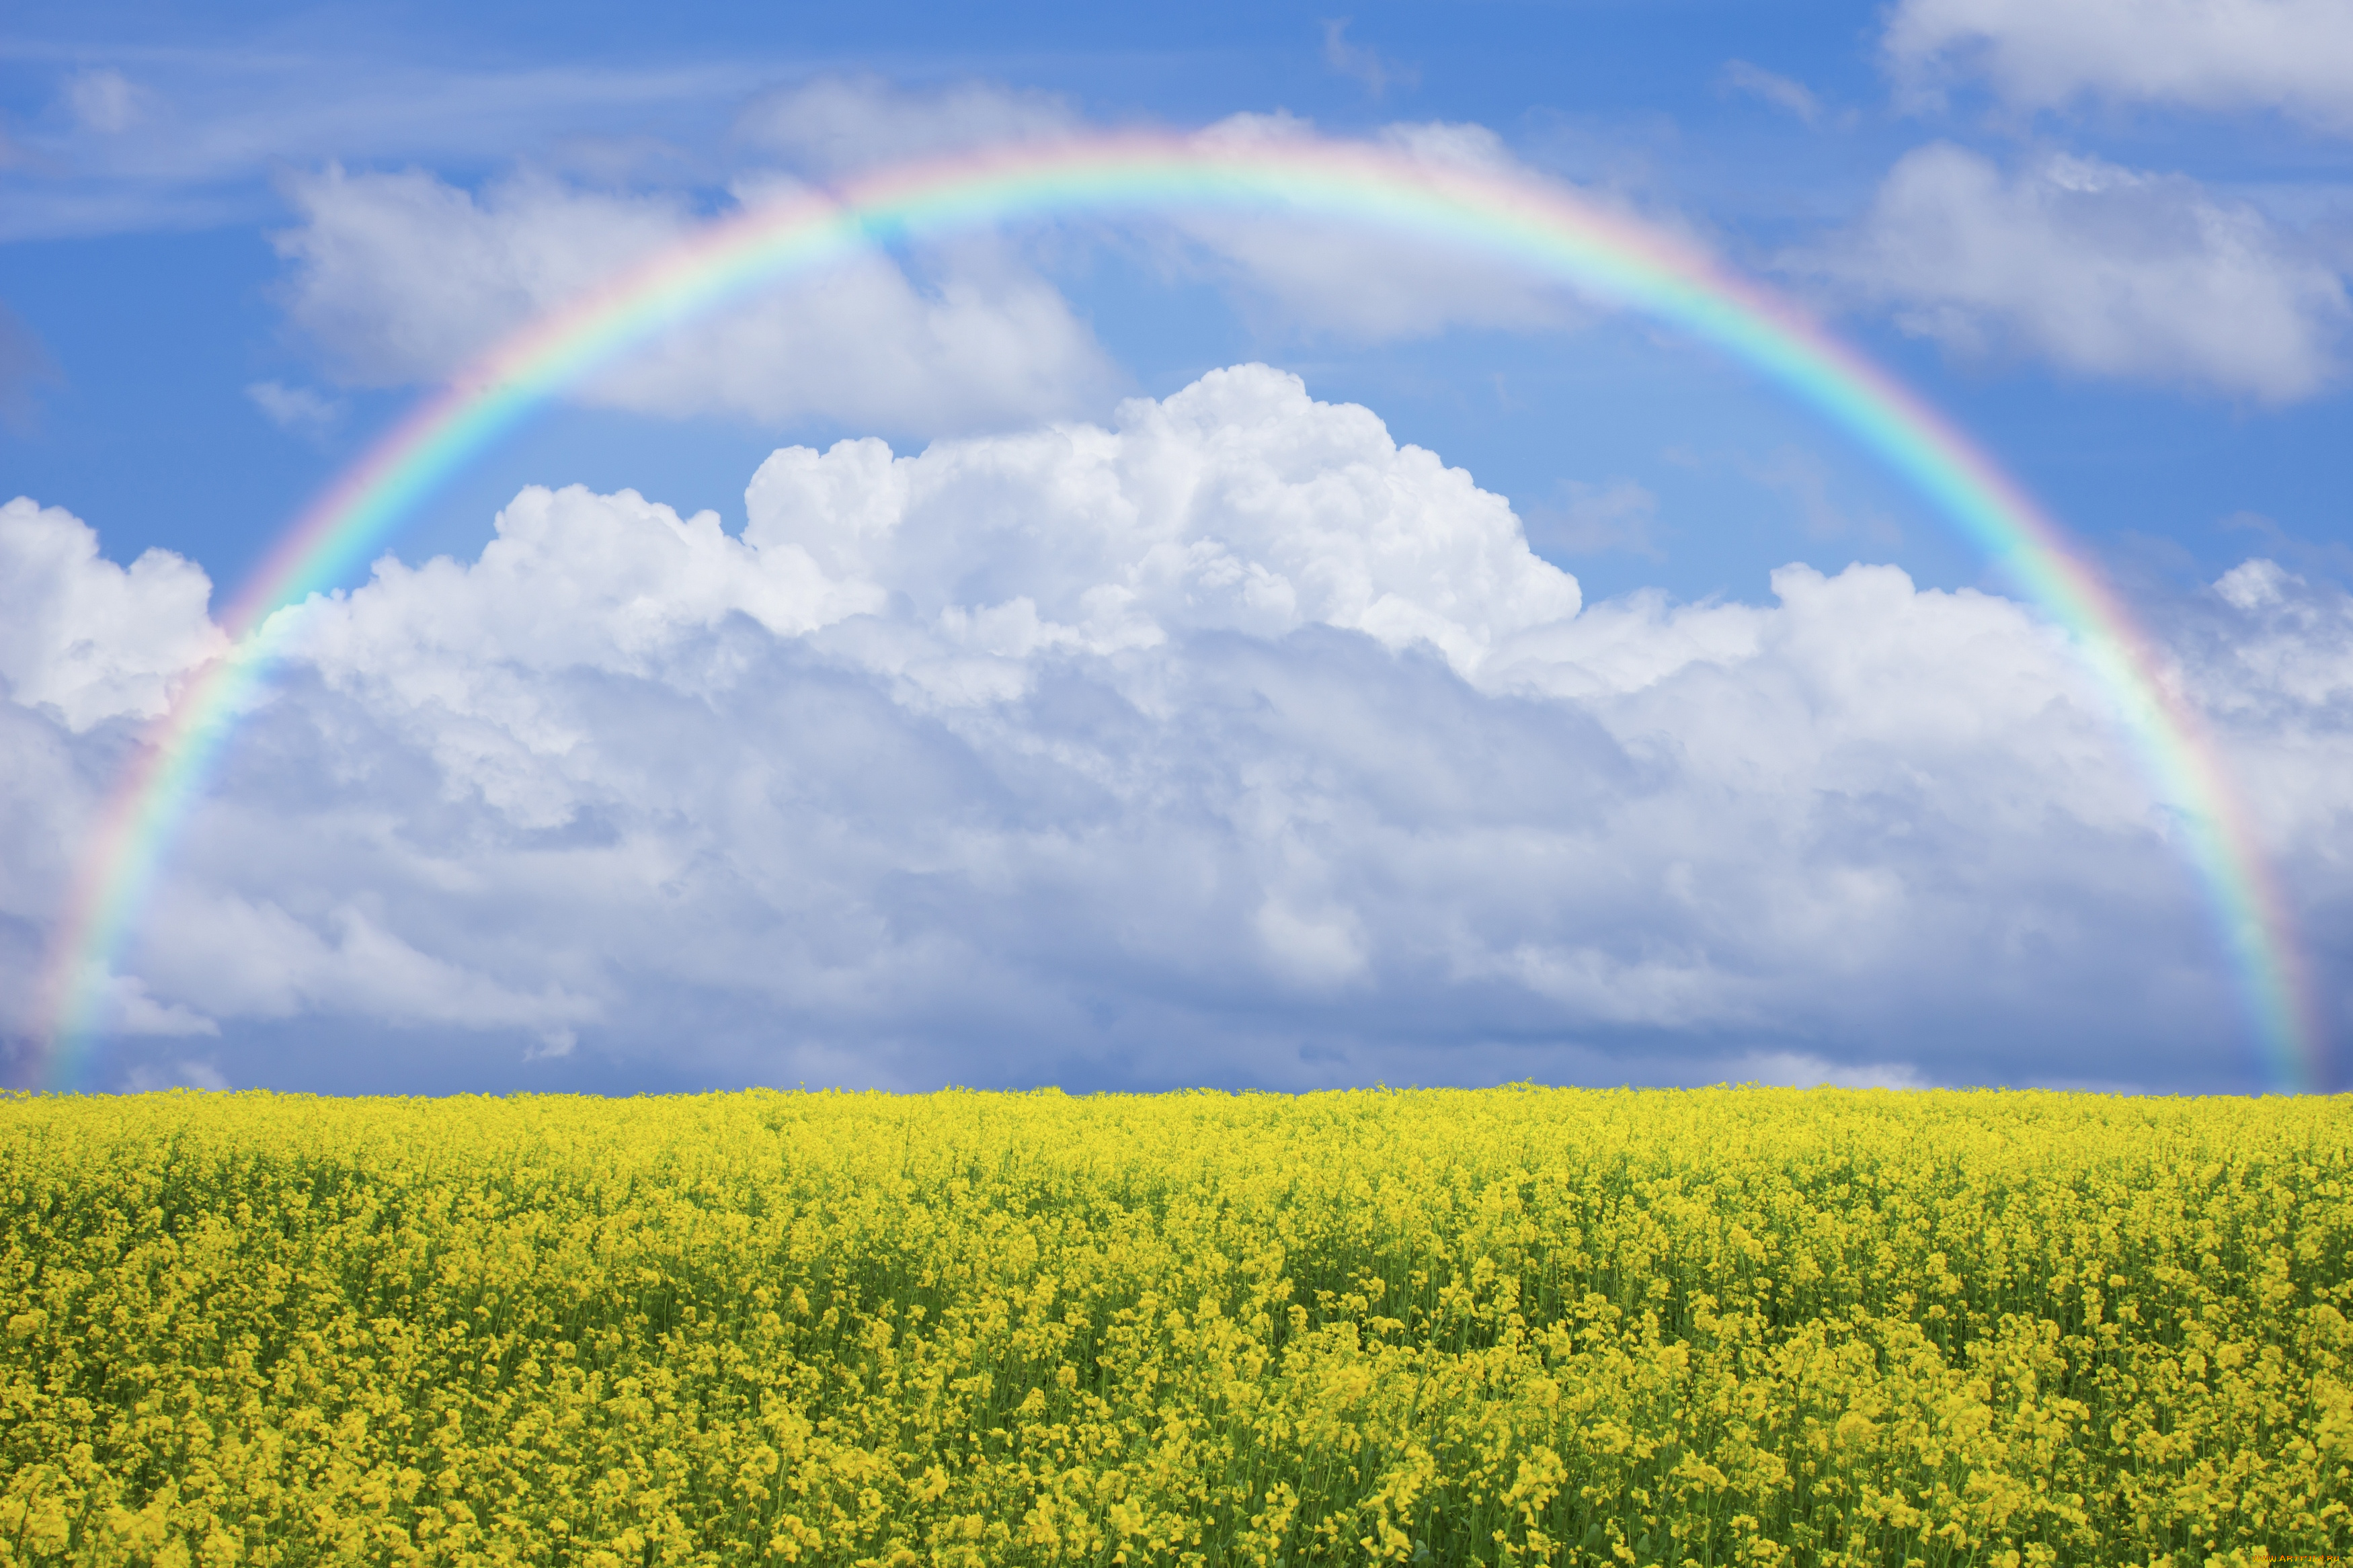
(2110, 237)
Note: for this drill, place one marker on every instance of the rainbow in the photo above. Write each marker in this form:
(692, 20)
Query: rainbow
(1551, 231)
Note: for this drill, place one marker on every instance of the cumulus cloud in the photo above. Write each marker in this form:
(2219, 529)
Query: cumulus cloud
(401, 278)
(1795, 1069)
(2295, 55)
(297, 408)
(1228, 742)
(1307, 273)
(88, 651)
(148, 1077)
(1314, 274)
(85, 637)
(238, 957)
(127, 1008)
(2103, 270)
(2275, 663)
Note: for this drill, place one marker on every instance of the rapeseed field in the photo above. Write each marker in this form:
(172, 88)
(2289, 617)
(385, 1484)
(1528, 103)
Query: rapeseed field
(1511, 1326)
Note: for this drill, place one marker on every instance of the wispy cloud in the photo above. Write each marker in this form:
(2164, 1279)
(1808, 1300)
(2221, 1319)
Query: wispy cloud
(298, 408)
(200, 136)
(831, 125)
(1770, 87)
(1592, 519)
(24, 368)
(105, 100)
(1363, 63)
(2098, 269)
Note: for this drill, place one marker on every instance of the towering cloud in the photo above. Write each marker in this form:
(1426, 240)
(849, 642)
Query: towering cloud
(1230, 742)
(85, 638)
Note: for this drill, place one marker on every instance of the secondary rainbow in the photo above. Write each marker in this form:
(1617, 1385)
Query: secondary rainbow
(1606, 255)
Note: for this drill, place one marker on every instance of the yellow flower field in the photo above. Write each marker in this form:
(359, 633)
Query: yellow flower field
(1732, 1326)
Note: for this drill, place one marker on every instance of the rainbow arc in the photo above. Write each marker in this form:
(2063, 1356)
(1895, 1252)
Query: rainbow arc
(1550, 231)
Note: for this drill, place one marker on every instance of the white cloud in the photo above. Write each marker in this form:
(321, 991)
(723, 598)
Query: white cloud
(105, 100)
(1318, 275)
(199, 139)
(2101, 270)
(87, 648)
(1789, 96)
(295, 408)
(25, 367)
(834, 125)
(128, 1008)
(1591, 519)
(1795, 1069)
(155, 1078)
(1238, 504)
(554, 1045)
(87, 637)
(2293, 56)
(402, 278)
(1232, 742)
(233, 956)
(1363, 63)
(2276, 668)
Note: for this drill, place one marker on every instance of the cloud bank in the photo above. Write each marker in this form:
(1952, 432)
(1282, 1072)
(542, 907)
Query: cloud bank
(832, 125)
(2295, 55)
(2103, 270)
(402, 278)
(2097, 268)
(1230, 742)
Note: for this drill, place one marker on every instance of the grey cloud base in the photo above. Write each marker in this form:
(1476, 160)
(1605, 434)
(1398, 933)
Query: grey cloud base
(1231, 744)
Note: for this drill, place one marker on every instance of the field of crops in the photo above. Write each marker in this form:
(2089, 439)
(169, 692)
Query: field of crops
(1735, 1326)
